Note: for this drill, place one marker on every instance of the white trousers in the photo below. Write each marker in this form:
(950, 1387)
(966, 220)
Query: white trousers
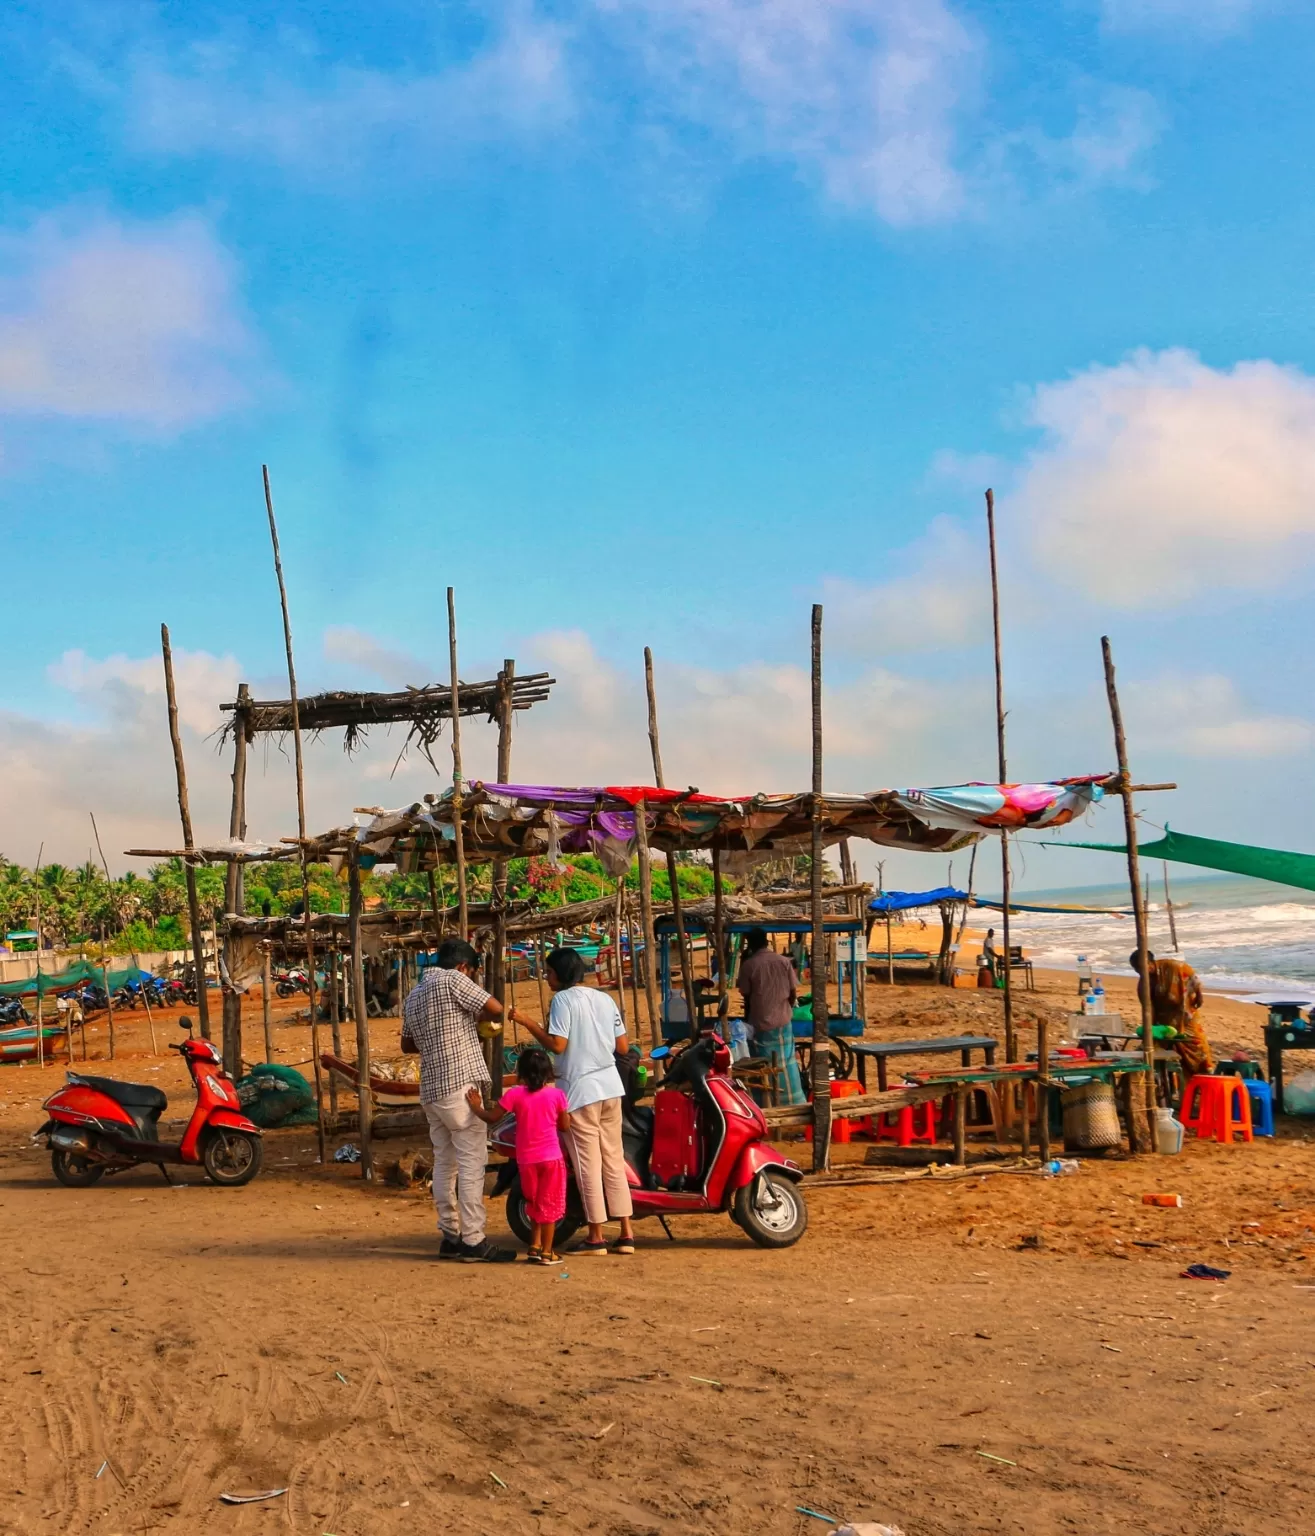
(459, 1139)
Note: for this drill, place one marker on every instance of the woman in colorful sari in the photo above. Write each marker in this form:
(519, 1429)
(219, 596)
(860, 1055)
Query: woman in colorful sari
(1176, 999)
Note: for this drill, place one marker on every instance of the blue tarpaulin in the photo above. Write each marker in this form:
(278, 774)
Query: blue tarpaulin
(905, 901)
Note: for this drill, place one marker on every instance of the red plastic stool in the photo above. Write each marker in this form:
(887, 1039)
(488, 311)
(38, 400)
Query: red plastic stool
(914, 1122)
(841, 1130)
(1218, 1107)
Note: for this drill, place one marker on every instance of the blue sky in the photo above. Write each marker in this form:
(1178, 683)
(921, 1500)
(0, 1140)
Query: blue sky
(652, 322)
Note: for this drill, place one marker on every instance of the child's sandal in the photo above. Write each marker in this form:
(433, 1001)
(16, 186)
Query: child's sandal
(533, 1255)
(550, 1258)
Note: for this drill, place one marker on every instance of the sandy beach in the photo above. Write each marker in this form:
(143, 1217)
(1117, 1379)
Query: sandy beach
(1004, 1353)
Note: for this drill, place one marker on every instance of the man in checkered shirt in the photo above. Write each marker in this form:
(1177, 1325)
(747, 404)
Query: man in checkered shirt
(441, 1024)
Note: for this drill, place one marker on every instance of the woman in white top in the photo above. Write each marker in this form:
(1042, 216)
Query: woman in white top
(585, 1033)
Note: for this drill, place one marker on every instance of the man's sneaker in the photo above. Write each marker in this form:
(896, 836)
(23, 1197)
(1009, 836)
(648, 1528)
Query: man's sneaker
(486, 1253)
(450, 1248)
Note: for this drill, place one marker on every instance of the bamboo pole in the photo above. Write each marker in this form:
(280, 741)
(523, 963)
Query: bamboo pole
(1134, 881)
(1168, 907)
(616, 956)
(1011, 1043)
(264, 1004)
(634, 967)
(301, 820)
(333, 970)
(719, 939)
(459, 842)
(146, 1002)
(184, 811)
(433, 906)
(364, 1112)
(41, 1021)
(646, 923)
(235, 886)
(677, 905)
(499, 882)
(821, 1060)
(539, 952)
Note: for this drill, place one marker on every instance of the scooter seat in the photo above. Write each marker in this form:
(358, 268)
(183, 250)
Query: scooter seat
(133, 1096)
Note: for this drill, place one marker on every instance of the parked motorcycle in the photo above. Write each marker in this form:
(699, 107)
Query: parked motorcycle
(99, 1125)
(700, 1147)
(290, 982)
(12, 1011)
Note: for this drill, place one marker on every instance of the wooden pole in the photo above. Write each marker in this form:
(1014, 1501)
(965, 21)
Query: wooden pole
(719, 939)
(235, 885)
(646, 922)
(634, 967)
(1134, 881)
(890, 956)
(433, 906)
(41, 1021)
(539, 953)
(146, 1002)
(616, 955)
(459, 844)
(365, 1106)
(1011, 1043)
(499, 883)
(184, 811)
(264, 1004)
(1168, 907)
(333, 964)
(301, 820)
(677, 905)
(821, 1061)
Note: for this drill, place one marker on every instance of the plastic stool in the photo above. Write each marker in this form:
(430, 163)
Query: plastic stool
(914, 1122)
(1262, 1106)
(1250, 1070)
(841, 1130)
(1218, 1107)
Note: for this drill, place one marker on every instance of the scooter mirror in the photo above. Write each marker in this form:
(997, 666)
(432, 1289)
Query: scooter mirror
(185, 1024)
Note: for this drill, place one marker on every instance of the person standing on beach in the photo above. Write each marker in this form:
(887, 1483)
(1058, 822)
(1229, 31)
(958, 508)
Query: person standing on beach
(1176, 999)
(769, 988)
(441, 1025)
(585, 1034)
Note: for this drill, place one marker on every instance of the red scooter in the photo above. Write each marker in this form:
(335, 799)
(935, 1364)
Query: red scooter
(700, 1147)
(98, 1125)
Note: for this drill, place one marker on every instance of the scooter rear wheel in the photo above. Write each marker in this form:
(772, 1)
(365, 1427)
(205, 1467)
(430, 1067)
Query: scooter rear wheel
(73, 1171)
(771, 1211)
(232, 1158)
(519, 1222)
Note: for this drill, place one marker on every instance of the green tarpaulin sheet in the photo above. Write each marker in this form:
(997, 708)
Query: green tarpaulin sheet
(1296, 869)
(77, 975)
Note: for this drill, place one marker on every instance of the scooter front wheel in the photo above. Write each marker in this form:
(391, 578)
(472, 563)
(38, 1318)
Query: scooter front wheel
(771, 1211)
(73, 1171)
(519, 1221)
(232, 1157)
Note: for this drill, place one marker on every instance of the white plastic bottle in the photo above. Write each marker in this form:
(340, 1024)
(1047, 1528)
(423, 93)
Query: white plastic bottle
(1084, 976)
(1095, 999)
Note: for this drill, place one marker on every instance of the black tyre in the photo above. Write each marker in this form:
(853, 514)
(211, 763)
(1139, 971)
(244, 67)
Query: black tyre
(771, 1210)
(73, 1171)
(232, 1158)
(523, 1227)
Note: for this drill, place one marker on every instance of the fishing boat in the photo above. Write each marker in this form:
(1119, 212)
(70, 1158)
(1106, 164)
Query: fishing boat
(19, 1043)
(384, 1090)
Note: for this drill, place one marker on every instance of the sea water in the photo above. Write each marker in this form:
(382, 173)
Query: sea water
(1245, 938)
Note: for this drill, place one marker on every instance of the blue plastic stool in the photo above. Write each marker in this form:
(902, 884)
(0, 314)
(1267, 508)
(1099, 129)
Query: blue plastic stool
(1262, 1107)
(1249, 1070)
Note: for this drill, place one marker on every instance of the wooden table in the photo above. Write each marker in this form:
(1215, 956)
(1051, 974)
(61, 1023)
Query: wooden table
(939, 1045)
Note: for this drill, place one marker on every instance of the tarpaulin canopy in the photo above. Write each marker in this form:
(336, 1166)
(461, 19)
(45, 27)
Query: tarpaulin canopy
(77, 975)
(1296, 869)
(518, 820)
(906, 901)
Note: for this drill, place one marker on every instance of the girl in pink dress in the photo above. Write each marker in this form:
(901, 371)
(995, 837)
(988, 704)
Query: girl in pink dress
(541, 1114)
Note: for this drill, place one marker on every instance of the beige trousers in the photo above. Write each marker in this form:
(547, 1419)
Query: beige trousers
(599, 1161)
(460, 1145)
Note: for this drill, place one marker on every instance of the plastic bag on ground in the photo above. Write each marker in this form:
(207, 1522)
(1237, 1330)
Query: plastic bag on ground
(1299, 1094)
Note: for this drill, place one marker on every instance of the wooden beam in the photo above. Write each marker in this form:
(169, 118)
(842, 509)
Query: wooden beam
(301, 818)
(498, 891)
(266, 982)
(677, 906)
(459, 844)
(184, 811)
(646, 923)
(821, 1058)
(363, 1097)
(1134, 882)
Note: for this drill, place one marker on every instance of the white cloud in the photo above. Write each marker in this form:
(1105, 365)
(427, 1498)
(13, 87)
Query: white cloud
(1206, 716)
(227, 96)
(136, 322)
(734, 730)
(943, 601)
(1161, 477)
(1209, 16)
(399, 669)
(862, 95)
